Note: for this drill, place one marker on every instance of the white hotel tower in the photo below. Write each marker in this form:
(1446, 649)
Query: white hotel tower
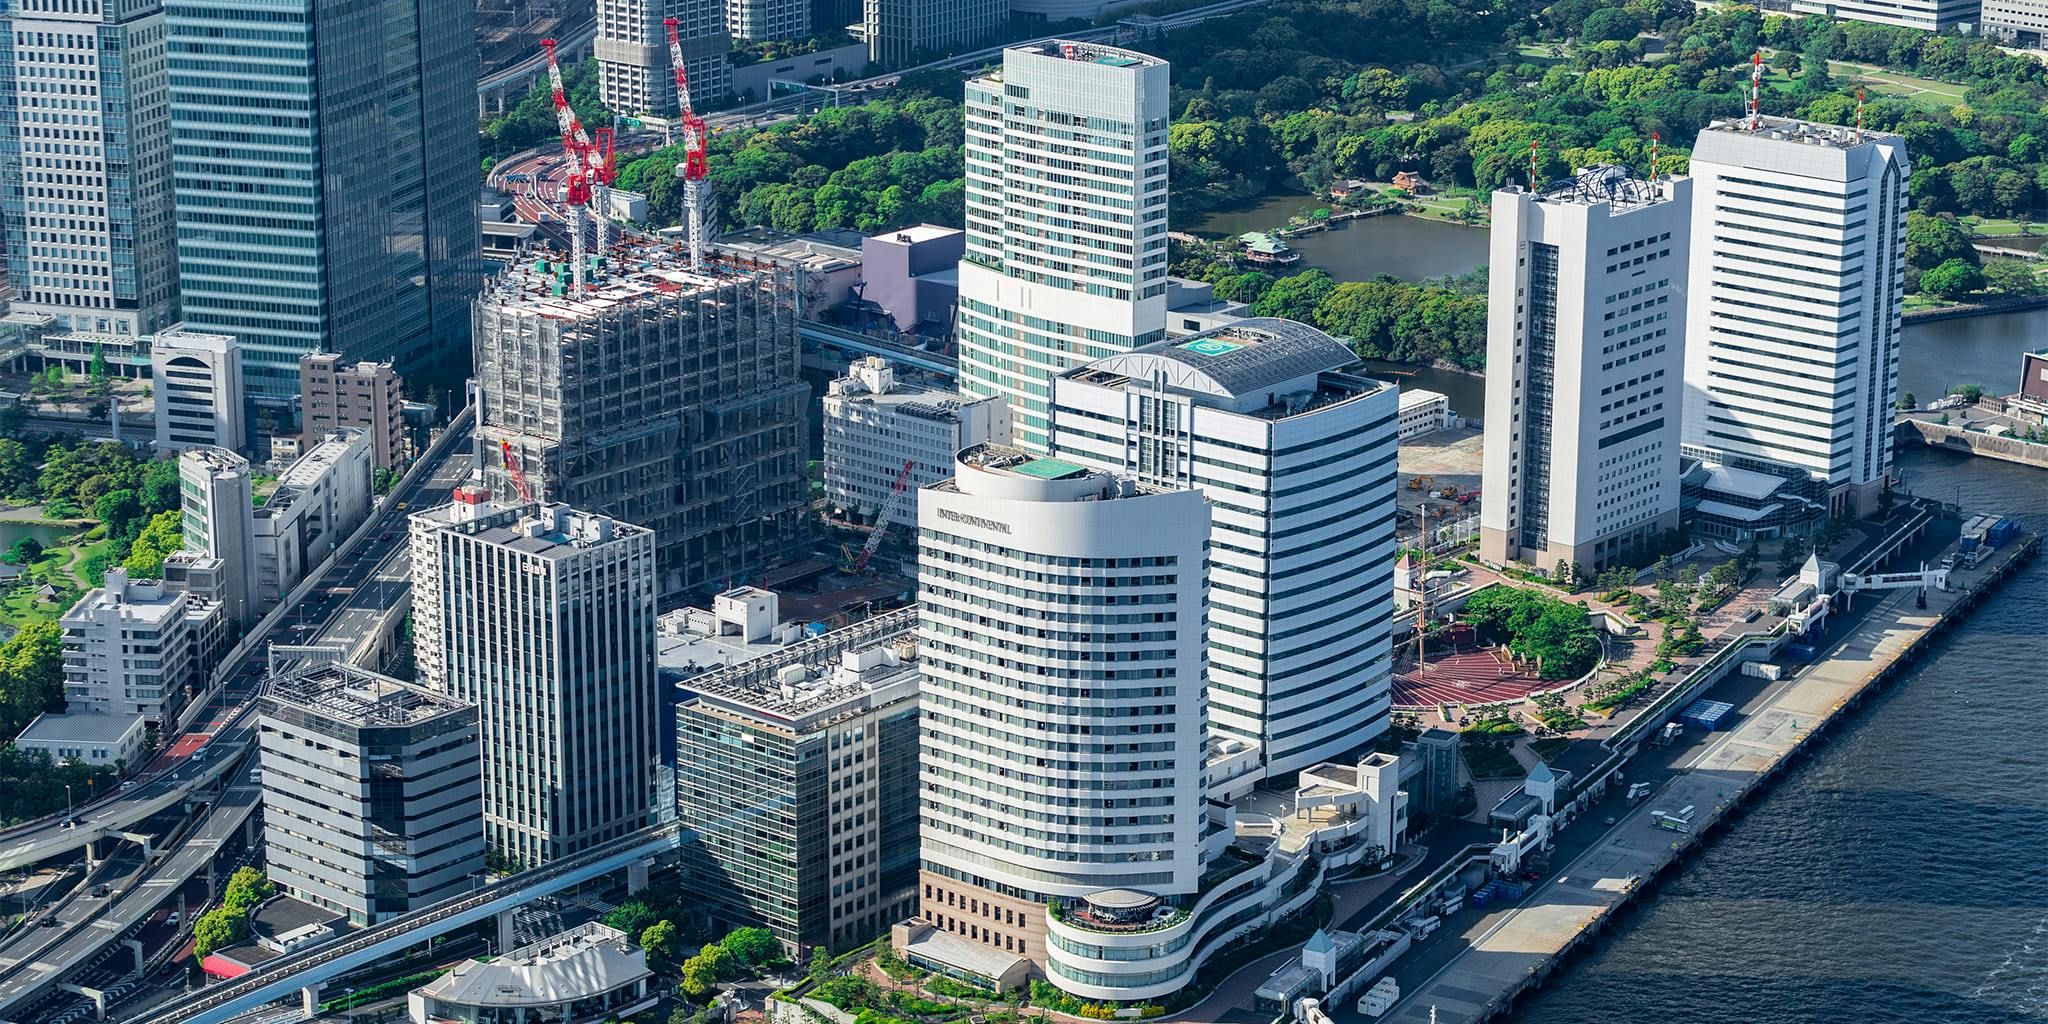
(1066, 220)
(1063, 643)
(1798, 273)
(1296, 457)
(1584, 355)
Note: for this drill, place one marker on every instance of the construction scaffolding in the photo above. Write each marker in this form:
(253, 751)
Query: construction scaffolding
(660, 396)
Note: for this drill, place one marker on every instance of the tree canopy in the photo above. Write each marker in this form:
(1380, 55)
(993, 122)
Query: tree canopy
(1554, 632)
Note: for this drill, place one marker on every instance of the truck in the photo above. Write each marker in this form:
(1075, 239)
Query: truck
(1638, 792)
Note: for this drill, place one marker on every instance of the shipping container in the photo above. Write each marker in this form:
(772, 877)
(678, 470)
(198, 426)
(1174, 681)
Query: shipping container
(2003, 532)
(1711, 715)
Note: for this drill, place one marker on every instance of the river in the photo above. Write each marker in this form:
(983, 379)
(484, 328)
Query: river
(1894, 878)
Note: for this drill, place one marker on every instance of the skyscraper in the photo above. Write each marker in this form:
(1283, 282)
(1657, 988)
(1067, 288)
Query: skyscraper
(325, 164)
(1066, 220)
(1585, 351)
(370, 792)
(1925, 15)
(1296, 457)
(544, 620)
(1793, 318)
(661, 396)
(634, 73)
(898, 32)
(85, 164)
(767, 19)
(1064, 646)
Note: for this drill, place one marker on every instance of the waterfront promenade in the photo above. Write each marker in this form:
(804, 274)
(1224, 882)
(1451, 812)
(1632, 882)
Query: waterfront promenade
(1507, 952)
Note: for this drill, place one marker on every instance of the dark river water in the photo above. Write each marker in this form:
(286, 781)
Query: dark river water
(1897, 877)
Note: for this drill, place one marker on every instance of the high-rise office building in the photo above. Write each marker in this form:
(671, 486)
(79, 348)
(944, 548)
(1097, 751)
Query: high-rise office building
(218, 519)
(198, 391)
(899, 32)
(2022, 23)
(334, 394)
(661, 396)
(1296, 457)
(767, 19)
(796, 773)
(875, 425)
(1585, 355)
(325, 161)
(85, 164)
(370, 792)
(1066, 220)
(1925, 15)
(1064, 643)
(546, 623)
(1793, 317)
(634, 73)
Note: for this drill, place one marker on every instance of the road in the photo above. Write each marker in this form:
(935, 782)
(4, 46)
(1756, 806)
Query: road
(222, 729)
(91, 923)
(357, 594)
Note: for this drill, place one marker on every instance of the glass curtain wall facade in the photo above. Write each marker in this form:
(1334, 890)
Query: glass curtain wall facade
(316, 166)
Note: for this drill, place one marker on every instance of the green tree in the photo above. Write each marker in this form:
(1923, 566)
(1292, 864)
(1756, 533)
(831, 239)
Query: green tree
(217, 929)
(660, 940)
(1246, 287)
(2009, 276)
(98, 370)
(702, 972)
(159, 487)
(25, 551)
(1953, 279)
(1932, 241)
(247, 888)
(753, 946)
(31, 675)
(1907, 402)
(161, 536)
(117, 509)
(382, 480)
(1610, 24)
(633, 917)
(1295, 298)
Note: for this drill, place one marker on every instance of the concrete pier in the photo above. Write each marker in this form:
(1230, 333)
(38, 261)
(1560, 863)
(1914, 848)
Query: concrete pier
(1517, 950)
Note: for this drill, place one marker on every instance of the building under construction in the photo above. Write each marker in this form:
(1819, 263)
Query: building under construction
(657, 395)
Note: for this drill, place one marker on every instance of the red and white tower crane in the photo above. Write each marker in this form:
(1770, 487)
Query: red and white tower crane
(696, 165)
(594, 156)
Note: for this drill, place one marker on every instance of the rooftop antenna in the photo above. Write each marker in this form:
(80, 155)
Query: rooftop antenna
(1653, 156)
(1756, 81)
(1859, 113)
(1532, 166)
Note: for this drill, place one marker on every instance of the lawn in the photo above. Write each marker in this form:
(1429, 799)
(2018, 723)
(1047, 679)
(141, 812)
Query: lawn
(1924, 92)
(2000, 227)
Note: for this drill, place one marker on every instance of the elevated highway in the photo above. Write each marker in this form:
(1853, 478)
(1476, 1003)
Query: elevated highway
(303, 971)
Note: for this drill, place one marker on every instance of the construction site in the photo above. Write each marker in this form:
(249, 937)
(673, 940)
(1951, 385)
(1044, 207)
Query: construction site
(656, 394)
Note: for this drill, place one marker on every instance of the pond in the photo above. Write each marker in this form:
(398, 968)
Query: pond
(47, 533)
(1410, 248)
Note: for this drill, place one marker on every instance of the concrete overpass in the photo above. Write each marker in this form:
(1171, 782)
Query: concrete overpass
(304, 971)
(504, 88)
(90, 924)
(305, 614)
